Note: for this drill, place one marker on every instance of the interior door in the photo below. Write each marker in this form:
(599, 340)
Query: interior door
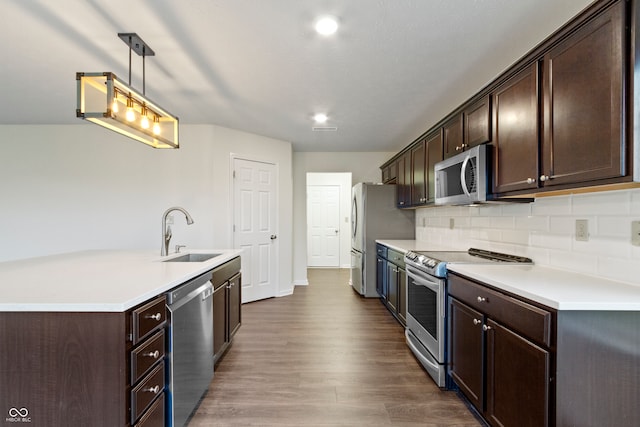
(323, 226)
(255, 214)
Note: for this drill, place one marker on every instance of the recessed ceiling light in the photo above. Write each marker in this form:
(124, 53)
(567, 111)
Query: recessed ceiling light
(320, 118)
(326, 25)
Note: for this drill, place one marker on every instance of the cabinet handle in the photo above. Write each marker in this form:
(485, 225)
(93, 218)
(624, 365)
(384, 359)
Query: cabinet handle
(485, 327)
(459, 147)
(482, 299)
(544, 178)
(531, 180)
(402, 203)
(153, 354)
(153, 390)
(476, 321)
(156, 316)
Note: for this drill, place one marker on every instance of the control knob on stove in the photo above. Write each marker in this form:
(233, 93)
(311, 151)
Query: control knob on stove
(431, 263)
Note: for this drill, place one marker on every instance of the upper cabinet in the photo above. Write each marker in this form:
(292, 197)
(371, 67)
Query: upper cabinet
(390, 173)
(560, 118)
(515, 114)
(583, 103)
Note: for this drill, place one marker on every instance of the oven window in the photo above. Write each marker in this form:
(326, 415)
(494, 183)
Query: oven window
(423, 306)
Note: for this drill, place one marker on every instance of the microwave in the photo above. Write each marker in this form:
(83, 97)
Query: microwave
(464, 178)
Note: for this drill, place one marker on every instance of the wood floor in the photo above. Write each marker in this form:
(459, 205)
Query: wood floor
(324, 357)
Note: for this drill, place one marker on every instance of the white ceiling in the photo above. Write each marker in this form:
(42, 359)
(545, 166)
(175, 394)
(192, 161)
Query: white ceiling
(394, 68)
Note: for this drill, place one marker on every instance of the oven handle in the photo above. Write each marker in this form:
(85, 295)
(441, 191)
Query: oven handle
(417, 352)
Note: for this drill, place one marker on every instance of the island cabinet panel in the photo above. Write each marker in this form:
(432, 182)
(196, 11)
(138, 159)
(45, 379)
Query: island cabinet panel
(515, 165)
(64, 369)
(583, 138)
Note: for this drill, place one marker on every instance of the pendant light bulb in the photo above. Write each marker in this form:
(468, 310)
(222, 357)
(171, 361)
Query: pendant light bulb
(114, 106)
(144, 121)
(156, 125)
(130, 115)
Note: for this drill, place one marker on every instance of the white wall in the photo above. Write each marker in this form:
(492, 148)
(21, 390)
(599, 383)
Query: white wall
(75, 187)
(343, 180)
(364, 167)
(545, 231)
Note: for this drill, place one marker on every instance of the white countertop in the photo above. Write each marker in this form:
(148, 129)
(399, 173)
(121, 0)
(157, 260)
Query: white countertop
(106, 281)
(559, 289)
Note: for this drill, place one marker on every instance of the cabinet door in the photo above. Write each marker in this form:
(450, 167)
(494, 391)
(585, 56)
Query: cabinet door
(433, 149)
(583, 103)
(402, 183)
(477, 122)
(465, 356)
(219, 319)
(381, 277)
(418, 185)
(402, 296)
(515, 165)
(392, 287)
(452, 136)
(234, 292)
(517, 379)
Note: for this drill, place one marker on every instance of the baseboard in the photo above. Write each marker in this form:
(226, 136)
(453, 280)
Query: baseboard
(302, 282)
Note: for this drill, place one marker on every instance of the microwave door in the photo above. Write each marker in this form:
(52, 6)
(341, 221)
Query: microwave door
(463, 175)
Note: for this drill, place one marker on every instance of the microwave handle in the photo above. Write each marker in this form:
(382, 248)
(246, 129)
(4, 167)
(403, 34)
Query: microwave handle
(463, 170)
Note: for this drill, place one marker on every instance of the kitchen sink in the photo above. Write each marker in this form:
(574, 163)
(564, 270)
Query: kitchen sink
(192, 258)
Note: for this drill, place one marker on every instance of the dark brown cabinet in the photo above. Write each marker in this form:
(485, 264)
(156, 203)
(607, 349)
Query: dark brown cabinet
(477, 122)
(583, 137)
(500, 354)
(227, 302)
(396, 278)
(381, 271)
(390, 173)
(515, 162)
(418, 187)
(403, 192)
(433, 150)
(452, 136)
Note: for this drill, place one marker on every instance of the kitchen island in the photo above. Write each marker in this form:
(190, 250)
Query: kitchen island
(82, 336)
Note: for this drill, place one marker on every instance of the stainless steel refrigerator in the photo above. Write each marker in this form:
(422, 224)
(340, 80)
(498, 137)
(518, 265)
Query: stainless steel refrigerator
(374, 216)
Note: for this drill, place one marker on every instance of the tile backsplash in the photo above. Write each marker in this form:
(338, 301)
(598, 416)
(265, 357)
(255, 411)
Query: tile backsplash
(544, 230)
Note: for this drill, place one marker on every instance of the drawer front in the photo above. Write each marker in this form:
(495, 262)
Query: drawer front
(221, 274)
(147, 355)
(531, 321)
(149, 318)
(146, 392)
(381, 250)
(154, 417)
(396, 257)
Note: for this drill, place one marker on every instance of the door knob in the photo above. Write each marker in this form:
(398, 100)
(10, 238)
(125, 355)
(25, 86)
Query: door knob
(337, 231)
(273, 237)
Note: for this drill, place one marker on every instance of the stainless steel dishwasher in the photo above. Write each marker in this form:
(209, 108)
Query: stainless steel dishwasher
(190, 347)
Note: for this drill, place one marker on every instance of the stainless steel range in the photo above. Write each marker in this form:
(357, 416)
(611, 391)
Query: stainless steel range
(427, 302)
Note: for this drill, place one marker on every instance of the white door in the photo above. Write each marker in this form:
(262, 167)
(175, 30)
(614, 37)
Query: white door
(255, 218)
(323, 226)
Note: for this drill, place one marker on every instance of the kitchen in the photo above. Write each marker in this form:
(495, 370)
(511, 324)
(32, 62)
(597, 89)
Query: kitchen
(75, 187)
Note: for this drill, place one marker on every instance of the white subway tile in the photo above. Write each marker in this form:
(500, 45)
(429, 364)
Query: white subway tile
(612, 226)
(635, 202)
(550, 241)
(503, 222)
(481, 221)
(609, 246)
(573, 261)
(516, 209)
(602, 203)
(533, 223)
(623, 269)
(563, 224)
(515, 236)
(558, 205)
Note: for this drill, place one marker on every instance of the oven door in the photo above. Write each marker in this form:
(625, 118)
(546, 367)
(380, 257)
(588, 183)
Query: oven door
(426, 298)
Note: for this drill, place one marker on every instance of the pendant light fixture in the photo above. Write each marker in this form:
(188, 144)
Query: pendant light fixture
(105, 100)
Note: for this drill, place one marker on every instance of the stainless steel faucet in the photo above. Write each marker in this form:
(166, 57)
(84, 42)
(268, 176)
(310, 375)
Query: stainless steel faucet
(166, 230)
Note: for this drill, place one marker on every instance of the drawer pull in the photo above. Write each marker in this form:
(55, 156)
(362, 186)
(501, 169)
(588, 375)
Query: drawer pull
(485, 327)
(153, 390)
(482, 299)
(156, 316)
(153, 354)
(476, 321)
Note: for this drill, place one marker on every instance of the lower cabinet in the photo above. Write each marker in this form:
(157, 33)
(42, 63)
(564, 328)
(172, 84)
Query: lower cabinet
(392, 281)
(503, 368)
(227, 301)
